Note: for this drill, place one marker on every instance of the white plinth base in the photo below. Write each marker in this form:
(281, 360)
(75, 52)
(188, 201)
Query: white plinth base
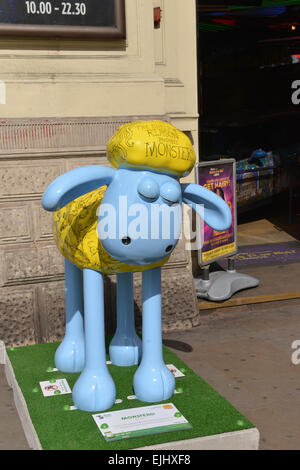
(247, 439)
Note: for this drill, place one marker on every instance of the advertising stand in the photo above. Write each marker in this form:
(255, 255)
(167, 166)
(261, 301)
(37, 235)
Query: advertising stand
(220, 176)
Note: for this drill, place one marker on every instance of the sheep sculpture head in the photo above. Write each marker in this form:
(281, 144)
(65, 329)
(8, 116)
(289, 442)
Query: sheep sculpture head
(121, 221)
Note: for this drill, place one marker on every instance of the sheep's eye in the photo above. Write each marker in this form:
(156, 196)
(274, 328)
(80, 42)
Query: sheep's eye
(170, 192)
(126, 240)
(149, 189)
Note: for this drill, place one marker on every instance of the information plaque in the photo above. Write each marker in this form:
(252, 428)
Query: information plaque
(86, 18)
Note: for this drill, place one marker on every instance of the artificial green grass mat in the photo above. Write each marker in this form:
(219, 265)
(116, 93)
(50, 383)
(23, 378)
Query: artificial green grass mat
(61, 429)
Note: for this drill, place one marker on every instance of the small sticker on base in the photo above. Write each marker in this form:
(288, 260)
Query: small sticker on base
(55, 387)
(175, 371)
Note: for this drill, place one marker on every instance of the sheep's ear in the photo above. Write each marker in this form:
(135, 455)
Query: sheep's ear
(75, 183)
(217, 213)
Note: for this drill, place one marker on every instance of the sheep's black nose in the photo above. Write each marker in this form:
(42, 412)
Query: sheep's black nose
(126, 240)
(169, 248)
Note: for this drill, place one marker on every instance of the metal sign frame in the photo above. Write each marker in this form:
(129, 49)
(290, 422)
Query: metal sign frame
(213, 164)
(89, 32)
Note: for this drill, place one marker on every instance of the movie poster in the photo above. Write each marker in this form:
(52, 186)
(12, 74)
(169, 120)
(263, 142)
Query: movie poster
(219, 176)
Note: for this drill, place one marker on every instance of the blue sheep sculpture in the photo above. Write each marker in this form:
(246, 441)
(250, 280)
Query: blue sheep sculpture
(92, 207)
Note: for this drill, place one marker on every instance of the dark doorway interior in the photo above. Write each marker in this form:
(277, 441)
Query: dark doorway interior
(249, 76)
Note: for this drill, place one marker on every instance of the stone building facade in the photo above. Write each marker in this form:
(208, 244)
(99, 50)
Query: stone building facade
(64, 100)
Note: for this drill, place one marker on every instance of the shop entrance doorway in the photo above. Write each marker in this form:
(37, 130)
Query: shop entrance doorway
(249, 107)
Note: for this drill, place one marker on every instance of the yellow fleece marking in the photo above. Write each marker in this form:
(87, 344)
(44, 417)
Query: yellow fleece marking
(75, 233)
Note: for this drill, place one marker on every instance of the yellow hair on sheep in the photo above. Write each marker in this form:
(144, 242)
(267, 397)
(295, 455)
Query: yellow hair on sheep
(152, 145)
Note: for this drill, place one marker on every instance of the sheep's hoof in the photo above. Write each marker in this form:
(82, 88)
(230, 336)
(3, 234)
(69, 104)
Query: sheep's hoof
(125, 352)
(153, 383)
(94, 391)
(70, 355)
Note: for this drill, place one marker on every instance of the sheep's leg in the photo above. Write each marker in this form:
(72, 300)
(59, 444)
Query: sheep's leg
(69, 356)
(126, 347)
(95, 388)
(152, 381)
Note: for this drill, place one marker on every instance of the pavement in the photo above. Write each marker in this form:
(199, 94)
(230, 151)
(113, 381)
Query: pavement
(12, 436)
(244, 352)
